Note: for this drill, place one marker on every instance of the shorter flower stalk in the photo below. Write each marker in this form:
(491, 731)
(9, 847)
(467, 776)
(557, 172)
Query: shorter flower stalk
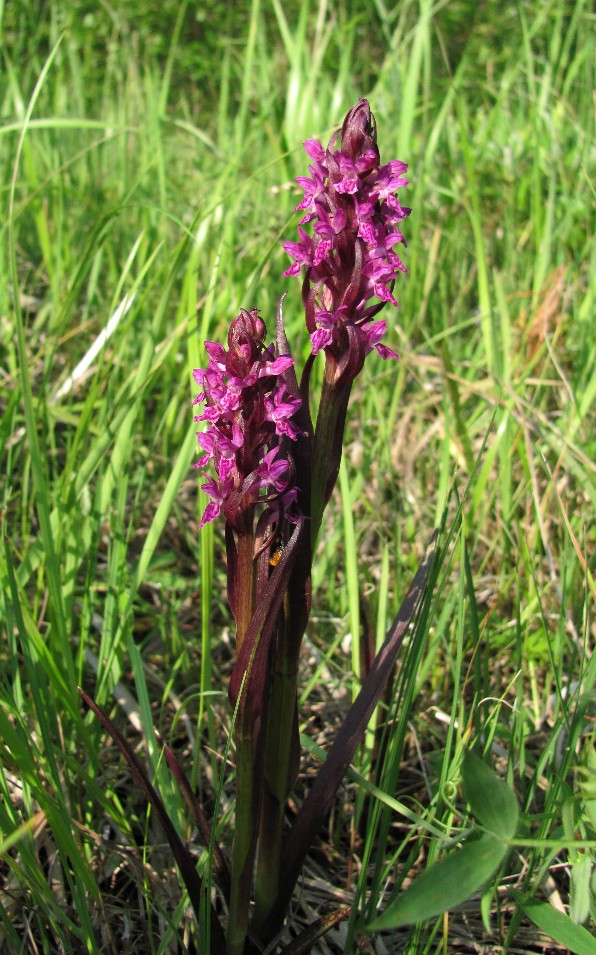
(249, 415)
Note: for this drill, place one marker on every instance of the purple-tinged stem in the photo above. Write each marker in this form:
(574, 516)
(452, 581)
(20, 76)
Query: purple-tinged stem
(245, 839)
(245, 586)
(282, 755)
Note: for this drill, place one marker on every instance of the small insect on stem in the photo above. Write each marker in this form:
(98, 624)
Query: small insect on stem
(276, 555)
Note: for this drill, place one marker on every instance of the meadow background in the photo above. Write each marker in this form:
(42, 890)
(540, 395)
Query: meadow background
(148, 152)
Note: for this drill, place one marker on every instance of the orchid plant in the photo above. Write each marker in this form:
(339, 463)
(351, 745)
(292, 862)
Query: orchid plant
(274, 472)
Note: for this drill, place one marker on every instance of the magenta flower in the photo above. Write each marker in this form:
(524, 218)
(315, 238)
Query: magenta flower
(350, 264)
(249, 415)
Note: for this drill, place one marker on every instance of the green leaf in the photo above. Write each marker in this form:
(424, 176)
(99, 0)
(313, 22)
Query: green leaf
(446, 884)
(20, 832)
(580, 893)
(558, 925)
(491, 800)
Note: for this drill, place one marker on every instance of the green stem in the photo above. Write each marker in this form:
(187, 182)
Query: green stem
(281, 745)
(280, 770)
(269, 857)
(243, 849)
(326, 452)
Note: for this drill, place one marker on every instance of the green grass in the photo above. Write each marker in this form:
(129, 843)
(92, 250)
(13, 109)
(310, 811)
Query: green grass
(148, 159)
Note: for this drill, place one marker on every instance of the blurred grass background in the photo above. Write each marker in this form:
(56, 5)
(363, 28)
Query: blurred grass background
(148, 155)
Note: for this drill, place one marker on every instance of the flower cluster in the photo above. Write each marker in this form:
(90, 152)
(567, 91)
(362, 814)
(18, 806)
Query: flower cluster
(249, 417)
(350, 199)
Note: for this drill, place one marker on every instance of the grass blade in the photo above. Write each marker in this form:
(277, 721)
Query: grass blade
(220, 865)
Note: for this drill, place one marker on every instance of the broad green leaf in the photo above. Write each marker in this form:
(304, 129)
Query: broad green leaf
(558, 925)
(446, 884)
(490, 798)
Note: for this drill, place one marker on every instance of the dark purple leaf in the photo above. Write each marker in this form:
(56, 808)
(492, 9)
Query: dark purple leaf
(303, 944)
(320, 798)
(220, 866)
(181, 854)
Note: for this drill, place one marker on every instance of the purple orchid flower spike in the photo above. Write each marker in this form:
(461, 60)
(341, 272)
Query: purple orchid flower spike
(351, 269)
(248, 412)
(350, 259)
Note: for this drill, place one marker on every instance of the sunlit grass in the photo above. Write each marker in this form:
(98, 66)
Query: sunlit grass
(147, 182)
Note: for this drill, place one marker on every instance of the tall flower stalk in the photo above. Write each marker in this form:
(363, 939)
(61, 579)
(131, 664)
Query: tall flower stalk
(350, 271)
